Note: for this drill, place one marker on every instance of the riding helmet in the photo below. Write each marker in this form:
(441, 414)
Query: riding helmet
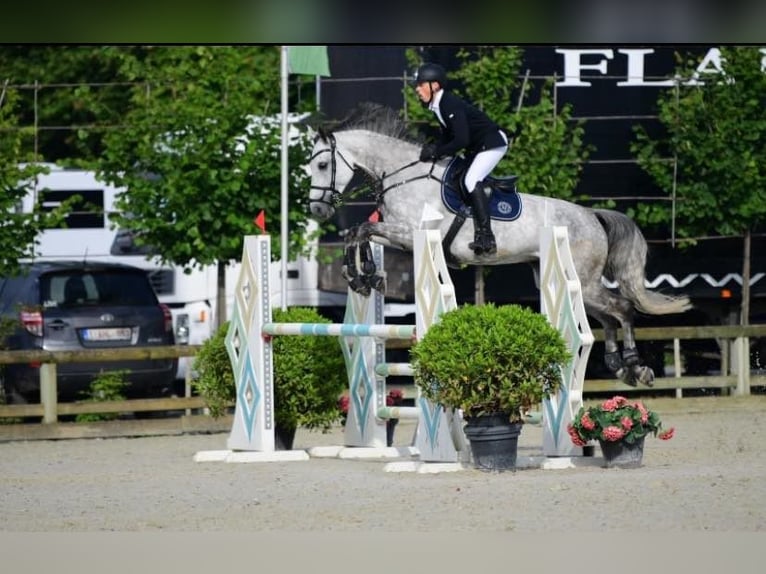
(430, 73)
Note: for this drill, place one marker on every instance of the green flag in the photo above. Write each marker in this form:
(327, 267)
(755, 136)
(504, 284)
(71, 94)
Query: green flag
(310, 60)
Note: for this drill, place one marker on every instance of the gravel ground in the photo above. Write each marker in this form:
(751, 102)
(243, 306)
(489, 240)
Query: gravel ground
(710, 477)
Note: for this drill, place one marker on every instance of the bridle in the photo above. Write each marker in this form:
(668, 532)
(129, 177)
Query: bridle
(336, 195)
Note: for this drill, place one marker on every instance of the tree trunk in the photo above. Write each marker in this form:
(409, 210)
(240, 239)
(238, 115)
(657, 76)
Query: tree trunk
(745, 318)
(478, 285)
(220, 299)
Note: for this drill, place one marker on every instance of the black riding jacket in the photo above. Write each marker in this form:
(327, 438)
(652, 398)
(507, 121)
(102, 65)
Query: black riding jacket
(467, 128)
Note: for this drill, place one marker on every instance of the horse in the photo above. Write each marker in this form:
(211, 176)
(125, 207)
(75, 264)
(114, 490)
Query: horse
(604, 243)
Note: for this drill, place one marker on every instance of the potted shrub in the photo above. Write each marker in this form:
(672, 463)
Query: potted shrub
(494, 363)
(620, 426)
(309, 376)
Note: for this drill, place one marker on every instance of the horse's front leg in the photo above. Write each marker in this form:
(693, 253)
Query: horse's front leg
(386, 234)
(359, 267)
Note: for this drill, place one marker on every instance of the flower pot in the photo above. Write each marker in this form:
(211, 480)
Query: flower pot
(390, 427)
(622, 454)
(284, 437)
(494, 441)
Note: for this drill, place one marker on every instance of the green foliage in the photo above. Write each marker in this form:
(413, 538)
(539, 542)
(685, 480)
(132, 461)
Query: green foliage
(488, 359)
(18, 230)
(214, 378)
(309, 374)
(548, 151)
(67, 68)
(716, 129)
(195, 181)
(107, 386)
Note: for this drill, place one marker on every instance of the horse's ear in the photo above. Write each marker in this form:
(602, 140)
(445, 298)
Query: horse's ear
(323, 133)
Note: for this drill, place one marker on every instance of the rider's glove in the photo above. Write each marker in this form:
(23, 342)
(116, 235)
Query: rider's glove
(428, 153)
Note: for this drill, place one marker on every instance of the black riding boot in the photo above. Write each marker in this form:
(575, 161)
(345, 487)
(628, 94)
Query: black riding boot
(483, 239)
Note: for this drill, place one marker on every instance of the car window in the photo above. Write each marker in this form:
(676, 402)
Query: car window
(111, 287)
(15, 291)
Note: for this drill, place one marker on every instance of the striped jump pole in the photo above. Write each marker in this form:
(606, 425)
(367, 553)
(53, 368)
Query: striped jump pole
(341, 330)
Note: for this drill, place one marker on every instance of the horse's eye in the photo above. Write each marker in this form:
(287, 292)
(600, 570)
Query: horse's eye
(322, 165)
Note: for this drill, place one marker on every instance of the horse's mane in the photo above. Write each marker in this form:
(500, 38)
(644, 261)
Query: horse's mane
(379, 119)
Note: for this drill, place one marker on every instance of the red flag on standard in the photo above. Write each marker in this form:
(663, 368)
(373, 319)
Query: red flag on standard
(260, 221)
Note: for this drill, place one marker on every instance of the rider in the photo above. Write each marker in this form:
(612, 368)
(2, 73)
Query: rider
(464, 127)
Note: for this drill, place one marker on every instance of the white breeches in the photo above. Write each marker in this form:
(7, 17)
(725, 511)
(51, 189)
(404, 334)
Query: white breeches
(482, 165)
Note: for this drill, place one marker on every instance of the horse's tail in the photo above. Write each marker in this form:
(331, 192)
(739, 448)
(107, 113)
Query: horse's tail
(626, 264)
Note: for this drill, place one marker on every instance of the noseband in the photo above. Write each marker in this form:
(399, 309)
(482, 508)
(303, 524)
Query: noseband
(336, 195)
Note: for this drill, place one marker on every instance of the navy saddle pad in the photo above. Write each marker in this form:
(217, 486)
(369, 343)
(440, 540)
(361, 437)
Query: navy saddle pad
(504, 203)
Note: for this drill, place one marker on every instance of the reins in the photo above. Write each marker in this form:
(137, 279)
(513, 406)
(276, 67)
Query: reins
(430, 175)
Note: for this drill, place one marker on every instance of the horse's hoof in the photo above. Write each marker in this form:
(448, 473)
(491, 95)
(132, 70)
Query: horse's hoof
(630, 379)
(378, 282)
(638, 374)
(346, 273)
(360, 285)
(645, 376)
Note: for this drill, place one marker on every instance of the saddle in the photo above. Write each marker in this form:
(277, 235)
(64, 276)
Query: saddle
(504, 201)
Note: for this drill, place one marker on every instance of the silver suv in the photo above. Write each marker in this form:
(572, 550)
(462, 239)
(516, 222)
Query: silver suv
(74, 305)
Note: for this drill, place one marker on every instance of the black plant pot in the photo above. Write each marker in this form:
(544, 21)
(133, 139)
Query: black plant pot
(622, 454)
(284, 437)
(390, 428)
(494, 441)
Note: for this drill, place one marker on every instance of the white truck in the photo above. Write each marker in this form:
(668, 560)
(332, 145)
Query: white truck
(191, 297)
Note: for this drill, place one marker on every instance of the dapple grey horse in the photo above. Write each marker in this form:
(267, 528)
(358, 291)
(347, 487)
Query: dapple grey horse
(604, 243)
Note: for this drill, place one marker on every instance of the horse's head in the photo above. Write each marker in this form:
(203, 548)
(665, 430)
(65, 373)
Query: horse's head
(331, 170)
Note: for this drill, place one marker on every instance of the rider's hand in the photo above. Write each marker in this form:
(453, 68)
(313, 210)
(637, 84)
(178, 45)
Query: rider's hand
(428, 153)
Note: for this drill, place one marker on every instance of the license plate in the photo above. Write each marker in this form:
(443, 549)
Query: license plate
(111, 334)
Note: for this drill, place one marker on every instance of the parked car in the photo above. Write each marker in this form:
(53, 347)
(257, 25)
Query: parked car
(75, 305)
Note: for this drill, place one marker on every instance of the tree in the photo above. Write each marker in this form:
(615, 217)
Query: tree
(716, 131)
(54, 84)
(18, 229)
(198, 155)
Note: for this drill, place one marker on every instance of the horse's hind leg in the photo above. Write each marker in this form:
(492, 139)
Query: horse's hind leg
(614, 311)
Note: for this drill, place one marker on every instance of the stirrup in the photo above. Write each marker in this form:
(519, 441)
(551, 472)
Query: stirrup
(483, 243)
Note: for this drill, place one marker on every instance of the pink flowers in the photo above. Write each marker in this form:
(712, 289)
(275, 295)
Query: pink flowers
(575, 437)
(668, 434)
(614, 403)
(616, 419)
(586, 422)
(612, 433)
(394, 397)
(642, 409)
